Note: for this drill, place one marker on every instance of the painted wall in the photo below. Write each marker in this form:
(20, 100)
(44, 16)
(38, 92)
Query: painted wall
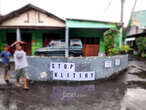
(2, 39)
(89, 33)
(86, 33)
(37, 37)
(33, 18)
(36, 40)
(39, 67)
(91, 29)
(101, 45)
(78, 29)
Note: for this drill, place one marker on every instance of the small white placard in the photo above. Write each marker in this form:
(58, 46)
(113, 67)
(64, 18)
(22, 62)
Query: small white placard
(117, 62)
(74, 76)
(108, 64)
(57, 66)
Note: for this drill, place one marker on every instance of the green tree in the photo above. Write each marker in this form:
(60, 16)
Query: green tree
(125, 49)
(110, 38)
(141, 46)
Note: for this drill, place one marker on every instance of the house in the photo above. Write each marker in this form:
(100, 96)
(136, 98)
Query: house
(91, 32)
(38, 27)
(136, 28)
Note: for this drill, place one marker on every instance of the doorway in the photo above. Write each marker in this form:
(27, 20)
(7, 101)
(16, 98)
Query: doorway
(48, 37)
(27, 37)
(90, 46)
(11, 38)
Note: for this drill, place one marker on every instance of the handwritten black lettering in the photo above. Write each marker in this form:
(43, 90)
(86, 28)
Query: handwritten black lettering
(65, 66)
(86, 75)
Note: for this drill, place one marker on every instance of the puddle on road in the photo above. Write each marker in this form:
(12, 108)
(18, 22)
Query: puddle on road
(105, 95)
(135, 99)
(102, 96)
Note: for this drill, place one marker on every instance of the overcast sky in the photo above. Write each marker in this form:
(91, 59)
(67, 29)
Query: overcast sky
(105, 10)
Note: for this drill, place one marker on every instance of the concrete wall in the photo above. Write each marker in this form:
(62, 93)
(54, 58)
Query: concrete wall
(39, 67)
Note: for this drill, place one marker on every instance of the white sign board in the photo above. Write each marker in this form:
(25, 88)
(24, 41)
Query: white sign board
(74, 76)
(55, 66)
(117, 62)
(108, 64)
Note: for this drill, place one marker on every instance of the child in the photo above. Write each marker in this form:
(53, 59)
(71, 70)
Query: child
(20, 64)
(5, 55)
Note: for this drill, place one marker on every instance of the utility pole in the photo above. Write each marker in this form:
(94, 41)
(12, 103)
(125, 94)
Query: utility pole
(0, 7)
(133, 9)
(122, 13)
(131, 15)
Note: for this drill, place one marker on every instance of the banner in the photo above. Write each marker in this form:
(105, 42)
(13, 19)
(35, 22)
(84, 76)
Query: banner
(73, 76)
(69, 67)
(66, 71)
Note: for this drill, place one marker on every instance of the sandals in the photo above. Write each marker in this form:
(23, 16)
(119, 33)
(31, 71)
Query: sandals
(18, 85)
(26, 88)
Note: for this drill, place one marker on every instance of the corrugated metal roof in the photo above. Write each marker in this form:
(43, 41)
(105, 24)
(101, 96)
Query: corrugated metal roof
(81, 23)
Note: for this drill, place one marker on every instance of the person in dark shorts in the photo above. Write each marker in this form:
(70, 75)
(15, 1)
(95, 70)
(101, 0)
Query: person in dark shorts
(21, 64)
(5, 55)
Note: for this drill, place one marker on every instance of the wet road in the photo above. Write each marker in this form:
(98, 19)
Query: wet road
(125, 92)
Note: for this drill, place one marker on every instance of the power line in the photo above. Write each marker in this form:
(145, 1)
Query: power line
(110, 11)
(133, 8)
(0, 7)
(122, 10)
(132, 11)
(105, 10)
(109, 4)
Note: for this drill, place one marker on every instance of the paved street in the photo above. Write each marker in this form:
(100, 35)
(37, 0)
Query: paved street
(126, 92)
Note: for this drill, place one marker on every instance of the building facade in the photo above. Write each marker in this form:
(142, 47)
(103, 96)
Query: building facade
(38, 27)
(136, 28)
(34, 25)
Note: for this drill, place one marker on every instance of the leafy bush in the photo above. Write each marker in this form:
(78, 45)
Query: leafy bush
(125, 48)
(110, 37)
(141, 46)
(143, 55)
(113, 51)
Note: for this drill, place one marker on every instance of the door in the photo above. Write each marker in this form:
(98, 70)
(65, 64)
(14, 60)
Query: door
(90, 46)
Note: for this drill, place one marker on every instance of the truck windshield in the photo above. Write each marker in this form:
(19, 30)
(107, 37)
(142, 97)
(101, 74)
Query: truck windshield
(62, 43)
(75, 42)
(54, 43)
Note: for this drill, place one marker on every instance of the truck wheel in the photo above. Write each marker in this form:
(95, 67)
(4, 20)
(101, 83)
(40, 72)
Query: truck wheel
(36, 54)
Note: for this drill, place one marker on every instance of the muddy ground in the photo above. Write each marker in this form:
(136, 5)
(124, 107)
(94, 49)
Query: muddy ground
(125, 92)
